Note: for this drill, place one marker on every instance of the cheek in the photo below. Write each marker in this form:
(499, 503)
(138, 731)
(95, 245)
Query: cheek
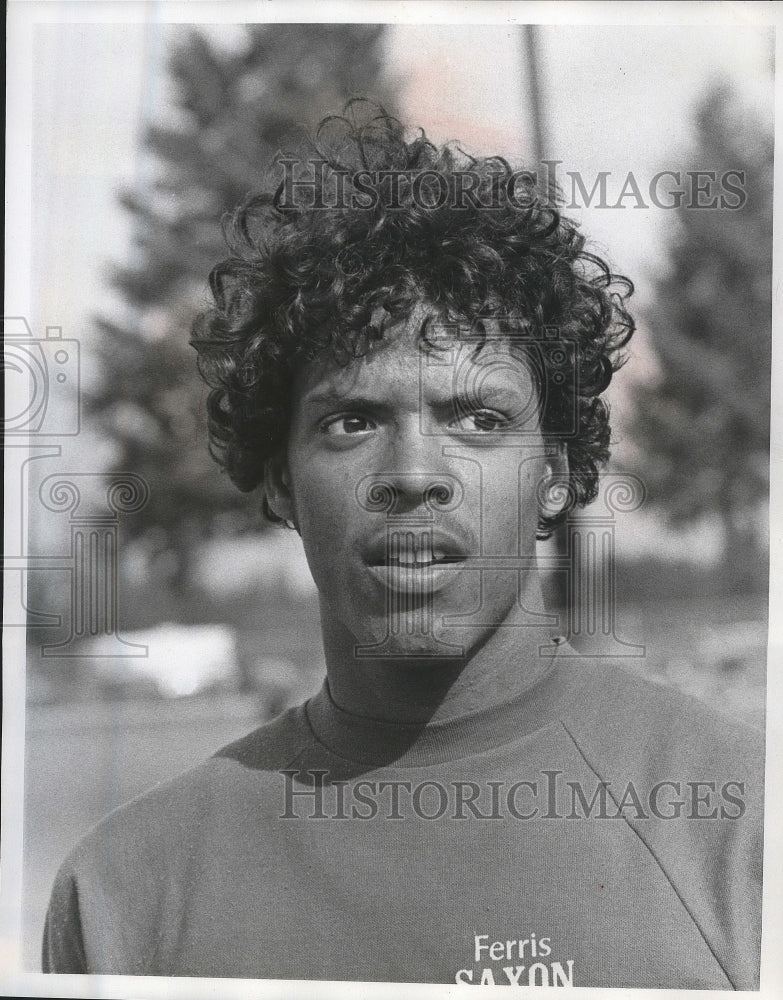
(324, 504)
(510, 506)
(529, 482)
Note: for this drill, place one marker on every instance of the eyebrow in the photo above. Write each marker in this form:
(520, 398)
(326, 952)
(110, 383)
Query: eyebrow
(459, 401)
(331, 397)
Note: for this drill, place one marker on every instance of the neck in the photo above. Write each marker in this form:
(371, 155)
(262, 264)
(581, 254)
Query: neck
(502, 664)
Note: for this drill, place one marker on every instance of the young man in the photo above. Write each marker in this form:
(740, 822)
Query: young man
(406, 353)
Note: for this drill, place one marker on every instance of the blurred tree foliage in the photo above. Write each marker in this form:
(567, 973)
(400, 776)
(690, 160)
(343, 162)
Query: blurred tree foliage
(234, 109)
(703, 427)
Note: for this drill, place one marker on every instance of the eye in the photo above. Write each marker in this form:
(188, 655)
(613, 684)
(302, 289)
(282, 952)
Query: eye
(480, 421)
(346, 424)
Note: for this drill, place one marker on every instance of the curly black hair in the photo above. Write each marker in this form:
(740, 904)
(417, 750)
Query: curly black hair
(376, 224)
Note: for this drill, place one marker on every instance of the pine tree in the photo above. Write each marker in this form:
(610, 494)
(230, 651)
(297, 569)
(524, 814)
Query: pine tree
(703, 427)
(234, 110)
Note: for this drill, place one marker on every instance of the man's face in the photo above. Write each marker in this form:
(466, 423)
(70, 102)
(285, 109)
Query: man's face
(412, 475)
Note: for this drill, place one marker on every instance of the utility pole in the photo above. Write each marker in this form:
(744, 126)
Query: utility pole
(531, 44)
(538, 149)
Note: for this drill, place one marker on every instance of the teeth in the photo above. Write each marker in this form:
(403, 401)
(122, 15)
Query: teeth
(424, 552)
(410, 550)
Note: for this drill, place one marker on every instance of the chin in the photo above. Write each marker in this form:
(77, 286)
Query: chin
(408, 642)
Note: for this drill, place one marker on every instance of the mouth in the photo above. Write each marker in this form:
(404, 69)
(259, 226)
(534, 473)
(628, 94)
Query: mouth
(415, 562)
(415, 550)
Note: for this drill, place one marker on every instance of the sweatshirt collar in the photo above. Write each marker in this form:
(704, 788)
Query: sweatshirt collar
(371, 741)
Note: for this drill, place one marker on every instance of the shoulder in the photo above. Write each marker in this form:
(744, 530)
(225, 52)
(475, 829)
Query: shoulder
(625, 720)
(163, 821)
(142, 860)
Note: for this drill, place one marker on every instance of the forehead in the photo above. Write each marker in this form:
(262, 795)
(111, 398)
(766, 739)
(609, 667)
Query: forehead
(429, 355)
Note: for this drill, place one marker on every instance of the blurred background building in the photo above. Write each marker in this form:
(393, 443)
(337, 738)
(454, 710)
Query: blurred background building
(145, 134)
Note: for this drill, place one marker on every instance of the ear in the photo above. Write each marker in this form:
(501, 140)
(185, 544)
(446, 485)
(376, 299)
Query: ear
(277, 489)
(555, 488)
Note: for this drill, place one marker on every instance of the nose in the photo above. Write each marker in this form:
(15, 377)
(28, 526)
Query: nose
(398, 494)
(413, 478)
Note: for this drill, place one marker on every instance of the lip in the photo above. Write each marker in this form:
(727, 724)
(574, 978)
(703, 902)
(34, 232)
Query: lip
(416, 560)
(418, 581)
